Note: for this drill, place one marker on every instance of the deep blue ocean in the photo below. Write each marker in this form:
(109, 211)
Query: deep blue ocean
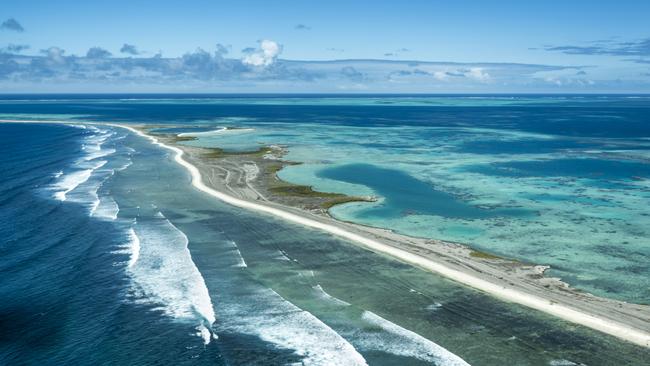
(108, 256)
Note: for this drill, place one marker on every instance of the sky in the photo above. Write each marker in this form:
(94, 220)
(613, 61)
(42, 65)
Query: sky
(325, 46)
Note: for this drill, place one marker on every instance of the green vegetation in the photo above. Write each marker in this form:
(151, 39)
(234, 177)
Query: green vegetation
(273, 168)
(302, 191)
(177, 138)
(327, 199)
(344, 199)
(215, 152)
(483, 255)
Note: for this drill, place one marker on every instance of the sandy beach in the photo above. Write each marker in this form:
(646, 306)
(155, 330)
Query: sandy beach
(505, 279)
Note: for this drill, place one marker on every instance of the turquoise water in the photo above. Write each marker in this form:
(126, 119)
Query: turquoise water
(111, 257)
(555, 181)
(586, 168)
(403, 195)
(536, 204)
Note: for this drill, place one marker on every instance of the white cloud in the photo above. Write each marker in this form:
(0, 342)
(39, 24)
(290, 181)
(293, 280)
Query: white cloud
(54, 55)
(478, 74)
(265, 55)
(440, 75)
(213, 71)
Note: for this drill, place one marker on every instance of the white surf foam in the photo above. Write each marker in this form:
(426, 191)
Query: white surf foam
(273, 319)
(282, 256)
(134, 248)
(164, 274)
(99, 154)
(68, 182)
(93, 145)
(87, 175)
(106, 208)
(205, 334)
(327, 297)
(122, 167)
(403, 342)
(434, 307)
(562, 363)
(240, 260)
(85, 166)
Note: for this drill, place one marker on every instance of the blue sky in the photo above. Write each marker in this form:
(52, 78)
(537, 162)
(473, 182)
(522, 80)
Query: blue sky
(597, 46)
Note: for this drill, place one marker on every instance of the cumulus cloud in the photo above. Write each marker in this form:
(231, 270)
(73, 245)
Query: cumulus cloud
(54, 55)
(473, 73)
(265, 55)
(97, 52)
(302, 27)
(440, 75)
(478, 73)
(12, 25)
(129, 49)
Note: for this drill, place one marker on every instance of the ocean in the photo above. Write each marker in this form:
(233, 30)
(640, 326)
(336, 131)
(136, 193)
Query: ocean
(110, 256)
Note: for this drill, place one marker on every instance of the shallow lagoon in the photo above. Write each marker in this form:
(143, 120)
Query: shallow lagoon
(403, 195)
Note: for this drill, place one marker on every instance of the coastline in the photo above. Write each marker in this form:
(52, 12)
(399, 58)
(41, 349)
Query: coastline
(524, 286)
(505, 290)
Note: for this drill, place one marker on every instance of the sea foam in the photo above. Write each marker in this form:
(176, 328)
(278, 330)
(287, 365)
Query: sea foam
(266, 314)
(165, 276)
(240, 260)
(86, 165)
(403, 342)
(327, 297)
(68, 182)
(134, 248)
(106, 208)
(394, 339)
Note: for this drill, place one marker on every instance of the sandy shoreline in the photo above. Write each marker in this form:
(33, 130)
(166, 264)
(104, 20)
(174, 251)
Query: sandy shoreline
(521, 284)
